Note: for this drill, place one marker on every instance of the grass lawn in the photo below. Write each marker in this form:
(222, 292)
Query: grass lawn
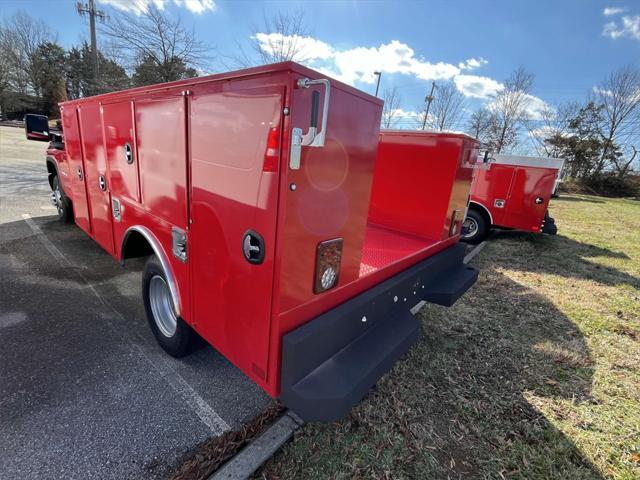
(534, 374)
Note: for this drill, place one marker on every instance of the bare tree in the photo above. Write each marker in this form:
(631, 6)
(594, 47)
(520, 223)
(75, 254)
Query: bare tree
(446, 109)
(279, 38)
(155, 41)
(509, 110)
(619, 95)
(391, 109)
(553, 121)
(479, 125)
(20, 36)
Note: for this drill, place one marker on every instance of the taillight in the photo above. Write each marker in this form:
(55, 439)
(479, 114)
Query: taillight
(328, 257)
(272, 151)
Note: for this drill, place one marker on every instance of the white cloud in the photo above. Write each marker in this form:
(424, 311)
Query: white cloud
(476, 86)
(141, 6)
(602, 91)
(472, 63)
(358, 64)
(628, 27)
(609, 11)
(196, 6)
(309, 48)
(536, 107)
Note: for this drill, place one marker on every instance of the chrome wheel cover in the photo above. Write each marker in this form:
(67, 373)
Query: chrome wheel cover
(469, 228)
(57, 199)
(162, 306)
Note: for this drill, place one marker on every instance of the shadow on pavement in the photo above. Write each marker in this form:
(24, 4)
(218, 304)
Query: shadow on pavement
(85, 392)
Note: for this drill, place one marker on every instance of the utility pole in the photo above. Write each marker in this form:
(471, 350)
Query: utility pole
(378, 74)
(90, 10)
(428, 99)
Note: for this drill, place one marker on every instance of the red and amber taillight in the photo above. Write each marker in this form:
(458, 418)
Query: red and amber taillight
(272, 151)
(328, 256)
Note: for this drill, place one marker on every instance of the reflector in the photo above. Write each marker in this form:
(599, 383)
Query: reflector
(328, 257)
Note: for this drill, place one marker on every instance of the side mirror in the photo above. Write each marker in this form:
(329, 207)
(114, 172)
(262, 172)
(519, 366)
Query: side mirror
(36, 127)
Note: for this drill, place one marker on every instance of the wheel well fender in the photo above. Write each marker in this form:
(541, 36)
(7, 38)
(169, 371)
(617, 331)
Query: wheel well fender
(140, 241)
(484, 211)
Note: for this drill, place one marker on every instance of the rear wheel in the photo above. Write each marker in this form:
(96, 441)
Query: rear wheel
(172, 332)
(474, 228)
(61, 202)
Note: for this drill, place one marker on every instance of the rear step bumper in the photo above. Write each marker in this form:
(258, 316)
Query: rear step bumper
(331, 362)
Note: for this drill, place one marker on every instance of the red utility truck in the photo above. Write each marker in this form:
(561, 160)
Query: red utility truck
(249, 192)
(511, 192)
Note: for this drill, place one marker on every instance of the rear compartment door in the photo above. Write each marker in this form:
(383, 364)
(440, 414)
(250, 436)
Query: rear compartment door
(96, 175)
(528, 183)
(73, 149)
(235, 153)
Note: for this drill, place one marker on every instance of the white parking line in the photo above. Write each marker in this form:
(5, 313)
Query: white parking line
(476, 250)
(159, 362)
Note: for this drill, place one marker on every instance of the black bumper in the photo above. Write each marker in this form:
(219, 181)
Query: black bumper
(331, 362)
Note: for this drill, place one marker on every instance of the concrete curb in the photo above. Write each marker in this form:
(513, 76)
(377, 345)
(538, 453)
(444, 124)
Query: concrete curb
(251, 457)
(259, 450)
(476, 250)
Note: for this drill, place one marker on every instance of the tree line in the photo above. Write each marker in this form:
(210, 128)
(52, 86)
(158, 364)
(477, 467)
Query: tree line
(36, 72)
(599, 137)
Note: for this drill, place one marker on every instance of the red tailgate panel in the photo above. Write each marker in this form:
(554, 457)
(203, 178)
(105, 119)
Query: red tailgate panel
(331, 196)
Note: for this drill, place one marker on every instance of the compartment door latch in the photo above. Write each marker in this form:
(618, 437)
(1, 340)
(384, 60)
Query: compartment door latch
(296, 149)
(253, 247)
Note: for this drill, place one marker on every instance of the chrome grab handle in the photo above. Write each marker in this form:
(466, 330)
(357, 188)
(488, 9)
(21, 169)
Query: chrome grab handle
(312, 138)
(102, 183)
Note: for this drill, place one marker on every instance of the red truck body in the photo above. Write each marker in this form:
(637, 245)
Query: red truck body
(513, 192)
(247, 218)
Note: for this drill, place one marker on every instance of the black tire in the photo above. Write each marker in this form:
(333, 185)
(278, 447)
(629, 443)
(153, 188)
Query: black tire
(62, 202)
(478, 229)
(176, 343)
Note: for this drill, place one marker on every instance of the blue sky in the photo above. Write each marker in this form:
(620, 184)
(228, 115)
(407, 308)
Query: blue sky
(570, 45)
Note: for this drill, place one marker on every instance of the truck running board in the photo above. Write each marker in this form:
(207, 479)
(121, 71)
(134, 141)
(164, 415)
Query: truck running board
(329, 363)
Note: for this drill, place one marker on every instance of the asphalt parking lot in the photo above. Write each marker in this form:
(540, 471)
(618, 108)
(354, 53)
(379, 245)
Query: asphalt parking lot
(85, 392)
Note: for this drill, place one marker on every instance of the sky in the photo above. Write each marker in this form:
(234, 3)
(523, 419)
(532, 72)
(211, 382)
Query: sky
(570, 45)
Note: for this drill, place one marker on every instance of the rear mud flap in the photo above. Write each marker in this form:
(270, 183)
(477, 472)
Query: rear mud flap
(549, 225)
(331, 362)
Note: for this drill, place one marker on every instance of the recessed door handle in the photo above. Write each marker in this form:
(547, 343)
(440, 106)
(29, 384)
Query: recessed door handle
(128, 153)
(102, 183)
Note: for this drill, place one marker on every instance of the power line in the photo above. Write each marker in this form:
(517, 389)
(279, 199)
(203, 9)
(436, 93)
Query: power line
(90, 10)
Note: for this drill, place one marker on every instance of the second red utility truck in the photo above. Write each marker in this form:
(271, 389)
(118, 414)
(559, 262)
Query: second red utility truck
(250, 194)
(511, 192)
